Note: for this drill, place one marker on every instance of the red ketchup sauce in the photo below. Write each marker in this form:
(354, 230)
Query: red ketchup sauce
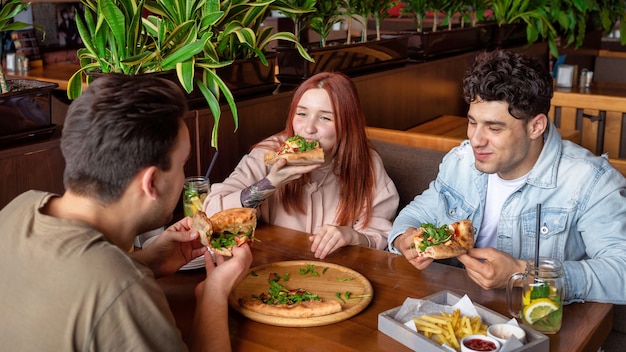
(480, 345)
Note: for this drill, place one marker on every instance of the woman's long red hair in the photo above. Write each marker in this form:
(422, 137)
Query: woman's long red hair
(351, 155)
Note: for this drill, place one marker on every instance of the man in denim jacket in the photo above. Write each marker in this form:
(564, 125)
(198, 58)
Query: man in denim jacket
(514, 160)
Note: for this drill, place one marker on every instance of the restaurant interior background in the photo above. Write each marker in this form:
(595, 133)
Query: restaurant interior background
(400, 97)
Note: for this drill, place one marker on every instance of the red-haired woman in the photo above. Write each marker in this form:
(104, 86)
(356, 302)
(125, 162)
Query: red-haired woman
(347, 200)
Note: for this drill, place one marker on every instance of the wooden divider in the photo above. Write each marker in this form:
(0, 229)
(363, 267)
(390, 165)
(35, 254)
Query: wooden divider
(440, 143)
(456, 127)
(413, 139)
(599, 118)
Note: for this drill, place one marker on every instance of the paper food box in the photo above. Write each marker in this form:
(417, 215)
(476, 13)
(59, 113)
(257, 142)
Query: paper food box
(387, 324)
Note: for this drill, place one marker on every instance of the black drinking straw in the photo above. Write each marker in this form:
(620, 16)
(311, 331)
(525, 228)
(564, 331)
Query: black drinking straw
(208, 171)
(538, 232)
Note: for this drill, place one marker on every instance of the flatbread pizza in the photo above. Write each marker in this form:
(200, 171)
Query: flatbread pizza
(445, 241)
(297, 151)
(280, 301)
(225, 229)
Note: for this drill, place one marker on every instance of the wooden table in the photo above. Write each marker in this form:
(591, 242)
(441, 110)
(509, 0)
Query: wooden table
(585, 326)
(456, 127)
(53, 72)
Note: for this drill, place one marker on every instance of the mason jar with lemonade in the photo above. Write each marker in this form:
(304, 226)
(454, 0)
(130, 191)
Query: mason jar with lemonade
(195, 191)
(542, 295)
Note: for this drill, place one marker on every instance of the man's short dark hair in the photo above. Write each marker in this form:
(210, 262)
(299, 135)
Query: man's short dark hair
(519, 80)
(118, 126)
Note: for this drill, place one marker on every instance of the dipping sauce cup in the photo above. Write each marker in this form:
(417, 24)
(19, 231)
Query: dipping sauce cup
(502, 332)
(479, 343)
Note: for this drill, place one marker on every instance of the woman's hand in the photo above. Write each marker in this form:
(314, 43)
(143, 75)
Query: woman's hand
(329, 238)
(281, 173)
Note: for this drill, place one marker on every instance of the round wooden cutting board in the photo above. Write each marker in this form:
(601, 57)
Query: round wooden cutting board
(323, 279)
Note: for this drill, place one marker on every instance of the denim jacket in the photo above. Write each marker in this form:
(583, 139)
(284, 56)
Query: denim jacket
(583, 214)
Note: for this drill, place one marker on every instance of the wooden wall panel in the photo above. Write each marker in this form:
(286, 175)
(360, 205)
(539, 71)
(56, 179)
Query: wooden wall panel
(37, 166)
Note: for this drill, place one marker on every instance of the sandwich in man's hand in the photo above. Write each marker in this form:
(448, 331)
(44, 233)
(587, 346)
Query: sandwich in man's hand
(225, 229)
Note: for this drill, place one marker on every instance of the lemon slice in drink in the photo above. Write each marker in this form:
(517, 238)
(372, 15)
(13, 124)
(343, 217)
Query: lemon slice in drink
(526, 298)
(192, 206)
(539, 309)
(196, 202)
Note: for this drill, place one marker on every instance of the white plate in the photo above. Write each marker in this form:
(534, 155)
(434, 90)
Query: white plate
(194, 264)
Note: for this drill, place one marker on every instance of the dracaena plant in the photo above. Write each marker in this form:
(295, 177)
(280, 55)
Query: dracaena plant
(356, 7)
(192, 37)
(534, 13)
(475, 10)
(452, 8)
(8, 10)
(380, 11)
(300, 19)
(327, 13)
(376, 9)
(437, 6)
(416, 9)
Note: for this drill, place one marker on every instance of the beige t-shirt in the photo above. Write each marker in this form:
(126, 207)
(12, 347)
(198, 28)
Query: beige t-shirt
(64, 287)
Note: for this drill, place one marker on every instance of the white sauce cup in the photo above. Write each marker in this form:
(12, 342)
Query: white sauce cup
(502, 332)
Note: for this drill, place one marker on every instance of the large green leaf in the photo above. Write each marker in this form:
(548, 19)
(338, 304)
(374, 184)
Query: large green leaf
(75, 83)
(114, 18)
(185, 72)
(8, 11)
(183, 54)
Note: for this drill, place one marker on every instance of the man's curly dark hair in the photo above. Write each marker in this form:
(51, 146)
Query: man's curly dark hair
(501, 75)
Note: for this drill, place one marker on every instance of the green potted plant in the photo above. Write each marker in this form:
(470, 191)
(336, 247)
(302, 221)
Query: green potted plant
(609, 13)
(574, 19)
(380, 11)
(351, 9)
(327, 13)
(193, 38)
(417, 10)
(337, 55)
(239, 37)
(431, 38)
(366, 9)
(475, 11)
(25, 104)
(300, 19)
(8, 10)
(534, 16)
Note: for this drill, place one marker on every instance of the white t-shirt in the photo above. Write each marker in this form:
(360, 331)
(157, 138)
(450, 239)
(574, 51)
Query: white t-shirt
(498, 191)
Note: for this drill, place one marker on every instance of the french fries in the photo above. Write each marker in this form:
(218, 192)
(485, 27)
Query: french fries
(449, 328)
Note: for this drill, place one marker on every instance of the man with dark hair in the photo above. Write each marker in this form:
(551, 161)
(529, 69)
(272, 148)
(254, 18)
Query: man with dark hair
(68, 281)
(515, 159)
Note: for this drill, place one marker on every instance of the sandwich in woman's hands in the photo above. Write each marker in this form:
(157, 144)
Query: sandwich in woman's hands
(297, 151)
(445, 241)
(226, 229)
